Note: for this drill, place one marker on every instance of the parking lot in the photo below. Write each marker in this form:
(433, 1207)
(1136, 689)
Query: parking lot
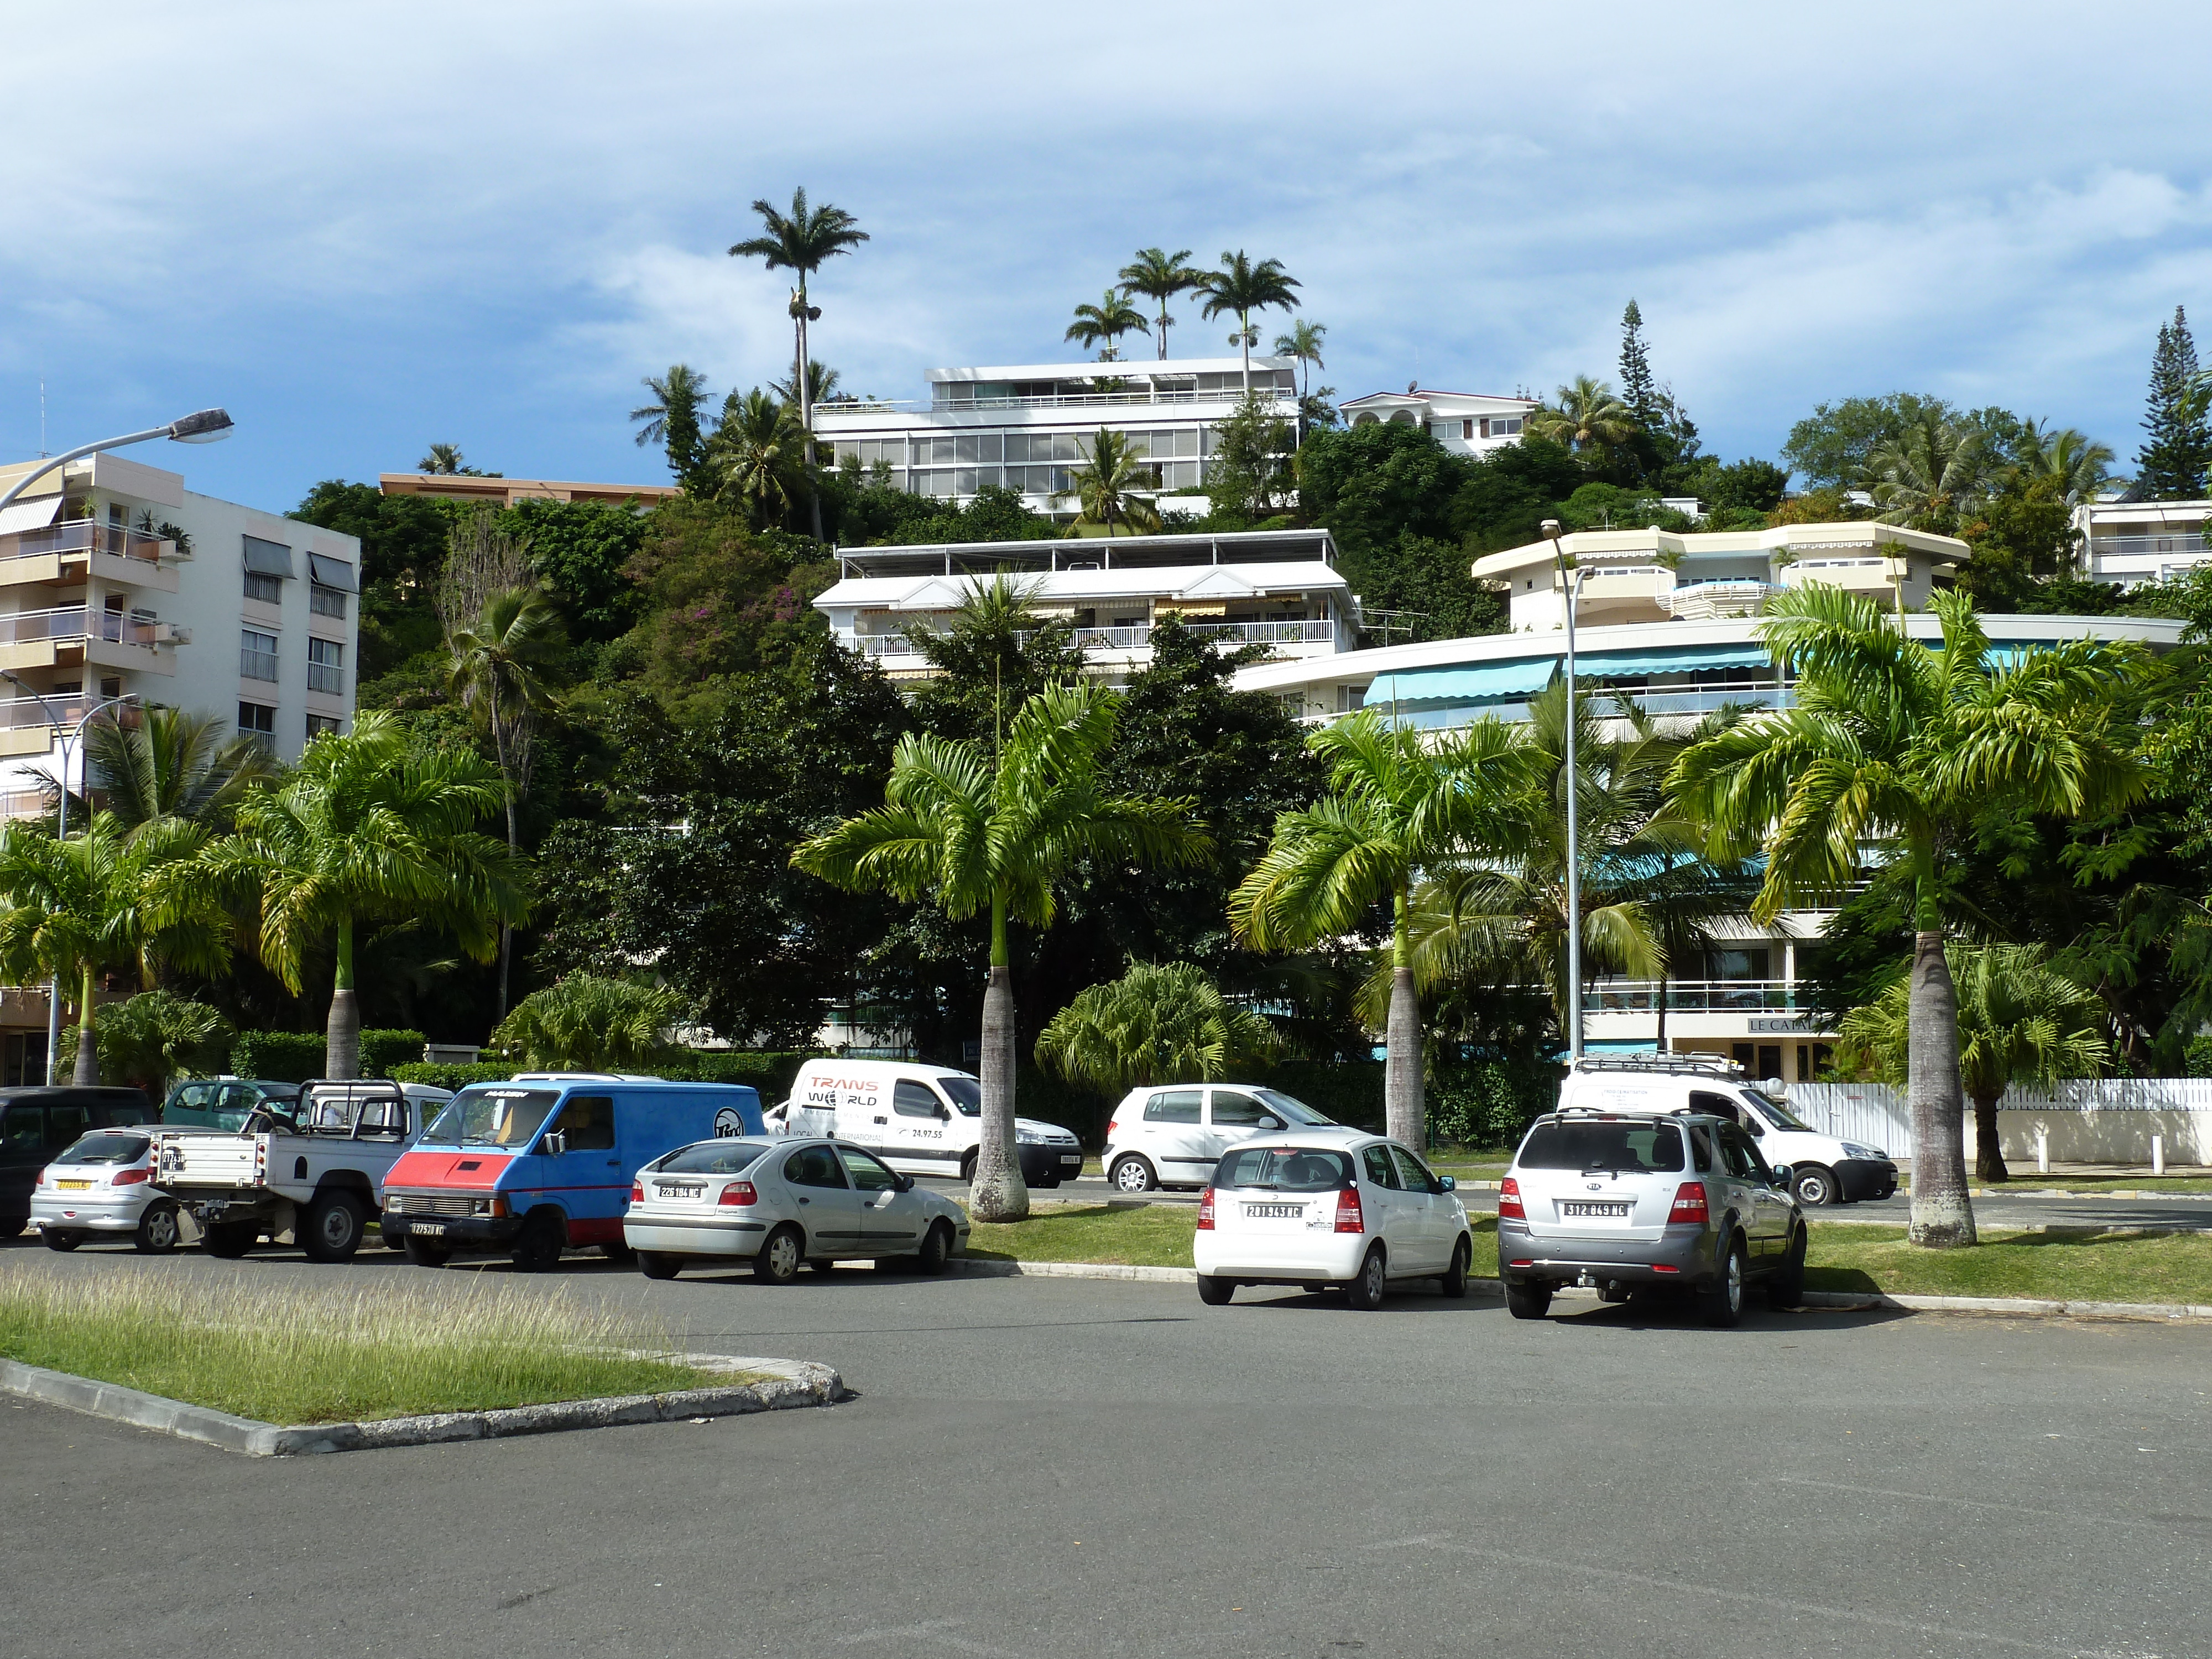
(1078, 1467)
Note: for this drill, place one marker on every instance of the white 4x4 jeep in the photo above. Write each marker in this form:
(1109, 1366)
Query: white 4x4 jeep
(1823, 1170)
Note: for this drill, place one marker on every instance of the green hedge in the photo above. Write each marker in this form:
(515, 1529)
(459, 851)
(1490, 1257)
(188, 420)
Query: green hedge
(298, 1056)
(451, 1077)
(770, 1074)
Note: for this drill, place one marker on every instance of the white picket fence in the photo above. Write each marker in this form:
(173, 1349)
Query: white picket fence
(2103, 1120)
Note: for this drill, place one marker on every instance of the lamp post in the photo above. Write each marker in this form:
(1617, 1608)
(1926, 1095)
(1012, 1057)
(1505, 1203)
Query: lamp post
(67, 739)
(1571, 584)
(208, 426)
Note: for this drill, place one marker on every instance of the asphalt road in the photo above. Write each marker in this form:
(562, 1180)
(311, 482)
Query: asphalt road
(2005, 1210)
(1079, 1468)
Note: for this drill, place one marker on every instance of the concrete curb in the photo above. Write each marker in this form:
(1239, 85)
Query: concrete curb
(790, 1383)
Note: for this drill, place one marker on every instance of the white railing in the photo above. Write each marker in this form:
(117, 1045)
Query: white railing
(1691, 995)
(325, 677)
(1727, 597)
(1666, 700)
(2129, 547)
(1134, 638)
(83, 536)
(257, 665)
(68, 623)
(15, 713)
(1100, 399)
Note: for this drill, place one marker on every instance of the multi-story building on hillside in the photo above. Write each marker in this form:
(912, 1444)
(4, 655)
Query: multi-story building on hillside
(1672, 621)
(1464, 423)
(507, 492)
(2132, 543)
(1027, 427)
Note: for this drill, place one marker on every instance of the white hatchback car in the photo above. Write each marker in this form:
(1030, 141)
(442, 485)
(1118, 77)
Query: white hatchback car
(782, 1202)
(100, 1190)
(1173, 1136)
(1330, 1208)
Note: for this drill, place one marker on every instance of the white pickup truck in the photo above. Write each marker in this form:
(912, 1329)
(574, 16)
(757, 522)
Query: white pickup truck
(319, 1181)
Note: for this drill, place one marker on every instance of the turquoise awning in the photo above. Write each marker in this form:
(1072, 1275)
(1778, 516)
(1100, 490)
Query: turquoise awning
(1524, 676)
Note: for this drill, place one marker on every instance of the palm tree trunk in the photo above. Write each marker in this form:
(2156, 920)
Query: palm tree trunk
(1244, 345)
(1163, 330)
(499, 742)
(1943, 1214)
(807, 410)
(1988, 1151)
(1660, 1043)
(87, 1074)
(998, 1193)
(1402, 1115)
(341, 1037)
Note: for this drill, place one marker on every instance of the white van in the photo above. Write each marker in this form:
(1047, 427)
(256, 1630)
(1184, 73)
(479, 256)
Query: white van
(1822, 1169)
(921, 1120)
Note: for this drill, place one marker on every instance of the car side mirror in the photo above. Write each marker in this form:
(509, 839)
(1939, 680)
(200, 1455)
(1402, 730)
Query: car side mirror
(1269, 1123)
(1781, 1177)
(944, 1112)
(1447, 1184)
(554, 1144)
(906, 1183)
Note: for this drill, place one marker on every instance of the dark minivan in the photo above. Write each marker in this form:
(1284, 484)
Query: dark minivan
(37, 1123)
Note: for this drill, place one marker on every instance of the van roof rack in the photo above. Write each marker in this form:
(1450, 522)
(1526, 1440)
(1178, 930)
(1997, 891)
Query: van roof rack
(1694, 1064)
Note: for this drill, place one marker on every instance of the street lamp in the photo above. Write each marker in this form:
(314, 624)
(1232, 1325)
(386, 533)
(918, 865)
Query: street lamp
(66, 739)
(206, 427)
(1571, 582)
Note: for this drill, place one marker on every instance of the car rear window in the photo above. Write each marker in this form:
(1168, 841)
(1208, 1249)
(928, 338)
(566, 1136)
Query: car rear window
(715, 1157)
(1284, 1169)
(1626, 1145)
(106, 1149)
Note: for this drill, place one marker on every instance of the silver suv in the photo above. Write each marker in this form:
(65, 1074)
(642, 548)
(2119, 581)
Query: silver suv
(1632, 1201)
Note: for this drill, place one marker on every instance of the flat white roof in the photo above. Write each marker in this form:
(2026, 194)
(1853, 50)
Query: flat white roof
(1129, 369)
(1207, 582)
(1862, 534)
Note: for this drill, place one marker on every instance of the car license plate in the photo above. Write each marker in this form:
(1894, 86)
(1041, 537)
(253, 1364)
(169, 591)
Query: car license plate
(1587, 1208)
(1075, 1158)
(1273, 1212)
(682, 1189)
(73, 1186)
(429, 1229)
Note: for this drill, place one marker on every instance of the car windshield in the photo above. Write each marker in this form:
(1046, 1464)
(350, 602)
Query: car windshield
(714, 1157)
(964, 1092)
(106, 1149)
(1293, 1110)
(492, 1115)
(1776, 1113)
(1284, 1169)
(1619, 1143)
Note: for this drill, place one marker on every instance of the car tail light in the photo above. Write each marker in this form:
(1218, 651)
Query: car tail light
(1525, 1261)
(637, 1192)
(1508, 1200)
(130, 1177)
(1690, 1203)
(42, 1177)
(1112, 1128)
(1206, 1211)
(1350, 1218)
(1661, 1267)
(739, 1191)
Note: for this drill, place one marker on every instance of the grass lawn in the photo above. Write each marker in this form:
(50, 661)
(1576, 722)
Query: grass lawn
(2090, 1186)
(2053, 1267)
(284, 1357)
(1142, 1235)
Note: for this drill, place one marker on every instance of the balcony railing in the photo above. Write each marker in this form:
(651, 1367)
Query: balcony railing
(1136, 638)
(1726, 597)
(2182, 541)
(257, 665)
(323, 677)
(17, 712)
(1711, 996)
(69, 622)
(83, 536)
(1094, 400)
(1696, 700)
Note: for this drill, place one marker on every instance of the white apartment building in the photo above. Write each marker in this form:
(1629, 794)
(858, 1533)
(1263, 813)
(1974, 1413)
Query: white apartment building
(1672, 621)
(1280, 589)
(1027, 427)
(1464, 423)
(2132, 543)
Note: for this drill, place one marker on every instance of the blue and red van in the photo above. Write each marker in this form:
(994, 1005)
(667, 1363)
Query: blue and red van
(541, 1164)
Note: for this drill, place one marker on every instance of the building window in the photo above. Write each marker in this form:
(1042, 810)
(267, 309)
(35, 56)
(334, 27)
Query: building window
(1501, 426)
(323, 601)
(265, 590)
(322, 726)
(257, 719)
(325, 666)
(257, 654)
(1467, 429)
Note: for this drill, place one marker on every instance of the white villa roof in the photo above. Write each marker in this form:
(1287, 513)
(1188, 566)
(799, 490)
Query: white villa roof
(1129, 367)
(1199, 581)
(1863, 535)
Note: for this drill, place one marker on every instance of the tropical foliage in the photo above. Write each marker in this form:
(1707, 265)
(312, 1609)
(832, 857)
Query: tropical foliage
(1240, 286)
(155, 1036)
(1153, 1025)
(1586, 418)
(1109, 483)
(1159, 276)
(1101, 324)
(584, 1023)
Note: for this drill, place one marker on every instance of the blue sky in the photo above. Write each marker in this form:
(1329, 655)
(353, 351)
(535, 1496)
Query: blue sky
(365, 228)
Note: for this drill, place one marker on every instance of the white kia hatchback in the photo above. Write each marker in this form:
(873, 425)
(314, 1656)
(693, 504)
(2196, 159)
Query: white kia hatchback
(1328, 1208)
(1174, 1135)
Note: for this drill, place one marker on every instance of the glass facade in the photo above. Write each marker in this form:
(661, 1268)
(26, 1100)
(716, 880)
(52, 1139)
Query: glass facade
(1033, 463)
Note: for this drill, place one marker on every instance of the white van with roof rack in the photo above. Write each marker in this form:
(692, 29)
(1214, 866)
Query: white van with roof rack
(1823, 1169)
(921, 1120)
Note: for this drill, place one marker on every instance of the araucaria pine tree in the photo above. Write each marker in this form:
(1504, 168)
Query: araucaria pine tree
(1638, 389)
(2172, 466)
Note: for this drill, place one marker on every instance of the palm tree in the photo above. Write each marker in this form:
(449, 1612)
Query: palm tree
(1892, 752)
(756, 453)
(1926, 476)
(1400, 801)
(2019, 1022)
(800, 241)
(672, 418)
(821, 384)
(1243, 288)
(109, 898)
(1302, 344)
(445, 461)
(1107, 484)
(503, 670)
(1151, 1025)
(173, 763)
(370, 828)
(586, 1023)
(1159, 276)
(155, 1036)
(2081, 466)
(1587, 418)
(980, 830)
(1107, 321)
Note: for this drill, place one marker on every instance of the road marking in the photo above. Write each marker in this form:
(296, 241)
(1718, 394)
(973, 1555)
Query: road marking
(2003, 1509)
(1779, 1604)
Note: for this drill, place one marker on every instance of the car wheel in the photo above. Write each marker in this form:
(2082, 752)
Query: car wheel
(1724, 1299)
(425, 1253)
(654, 1265)
(1453, 1281)
(1046, 1180)
(230, 1240)
(936, 1250)
(1787, 1288)
(537, 1246)
(1365, 1293)
(157, 1233)
(822, 1264)
(60, 1238)
(1215, 1293)
(1527, 1299)
(1133, 1174)
(968, 1165)
(334, 1226)
(395, 1238)
(780, 1253)
(1815, 1186)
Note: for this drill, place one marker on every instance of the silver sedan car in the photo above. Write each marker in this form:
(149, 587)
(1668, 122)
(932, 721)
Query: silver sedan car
(101, 1187)
(784, 1202)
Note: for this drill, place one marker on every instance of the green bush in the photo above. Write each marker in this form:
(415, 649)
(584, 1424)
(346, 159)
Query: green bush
(2199, 1056)
(298, 1056)
(1350, 1091)
(450, 1076)
(1487, 1103)
(769, 1074)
